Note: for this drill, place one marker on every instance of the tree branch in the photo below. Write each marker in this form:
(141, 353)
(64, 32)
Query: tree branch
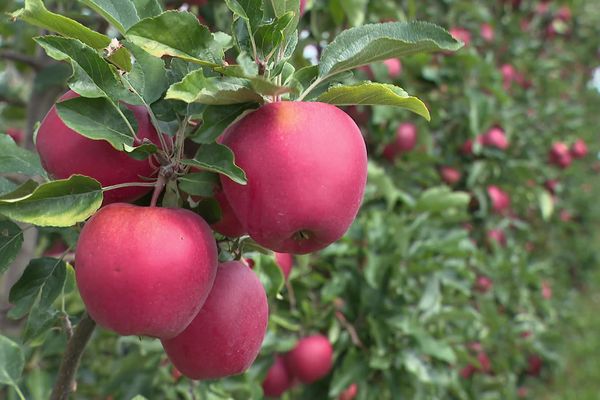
(22, 58)
(65, 382)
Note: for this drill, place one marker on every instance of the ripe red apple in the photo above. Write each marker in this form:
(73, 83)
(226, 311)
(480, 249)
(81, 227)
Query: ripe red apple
(468, 371)
(564, 13)
(495, 137)
(500, 200)
(64, 152)
(579, 149)
(302, 6)
(509, 74)
(487, 32)
(306, 164)
(56, 248)
(311, 359)
(461, 34)
(225, 337)
(467, 147)
(350, 392)
(229, 225)
(559, 155)
(145, 270)
(285, 261)
(498, 236)
(546, 290)
(534, 365)
(17, 134)
(394, 67)
(406, 140)
(483, 284)
(551, 185)
(450, 175)
(278, 379)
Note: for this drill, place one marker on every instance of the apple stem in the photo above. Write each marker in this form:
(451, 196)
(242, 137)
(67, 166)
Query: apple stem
(65, 382)
(158, 188)
(292, 296)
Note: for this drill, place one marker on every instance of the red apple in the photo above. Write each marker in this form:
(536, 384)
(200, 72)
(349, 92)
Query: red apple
(278, 379)
(579, 149)
(468, 371)
(551, 185)
(285, 261)
(17, 134)
(311, 359)
(306, 164)
(225, 337)
(564, 13)
(229, 225)
(495, 137)
(500, 200)
(498, 236)
(450, 175)
(394, 67)
(145, 270)
(559, 155)
(546, 290)
(487, 32)
(77, 154)
(483, 284)
(350, 392)
(461, 34)
(509, 74)
(534, 365)
(467, 147)
(406, 140)
(302, 6)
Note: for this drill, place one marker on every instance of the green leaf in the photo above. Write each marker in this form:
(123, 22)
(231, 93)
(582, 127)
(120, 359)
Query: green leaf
(546, 204)
(218, 158)
(59, 203)
(377, 42)
(176, 34)
(121, 14)
(269, 37)
(36, 14)
(90, 66)
(6, 186)
(198, 183)
(270, 275)
(196, 88)
(15, 159)
(99, 119)
(216, 118)
(441, 198)
(12, 361)
(147, 8)
(373, 94)
(250, 11)
(148, 76)
(284, 6)
(11, 239)
(41, 284)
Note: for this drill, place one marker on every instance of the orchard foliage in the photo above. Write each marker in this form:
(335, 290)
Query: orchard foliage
(474, 226)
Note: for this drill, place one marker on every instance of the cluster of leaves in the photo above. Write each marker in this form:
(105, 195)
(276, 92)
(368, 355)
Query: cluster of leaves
(397, 296)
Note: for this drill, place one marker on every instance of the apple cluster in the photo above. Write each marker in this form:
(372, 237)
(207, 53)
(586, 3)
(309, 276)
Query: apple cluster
(155, 271)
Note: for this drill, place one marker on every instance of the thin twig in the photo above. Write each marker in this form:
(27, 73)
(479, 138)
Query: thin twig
(158, 188)
(21, 58)
(65, 382)
(350, 328)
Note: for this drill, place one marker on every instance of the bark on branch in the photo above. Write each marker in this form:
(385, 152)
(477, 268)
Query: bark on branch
(65, 382)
